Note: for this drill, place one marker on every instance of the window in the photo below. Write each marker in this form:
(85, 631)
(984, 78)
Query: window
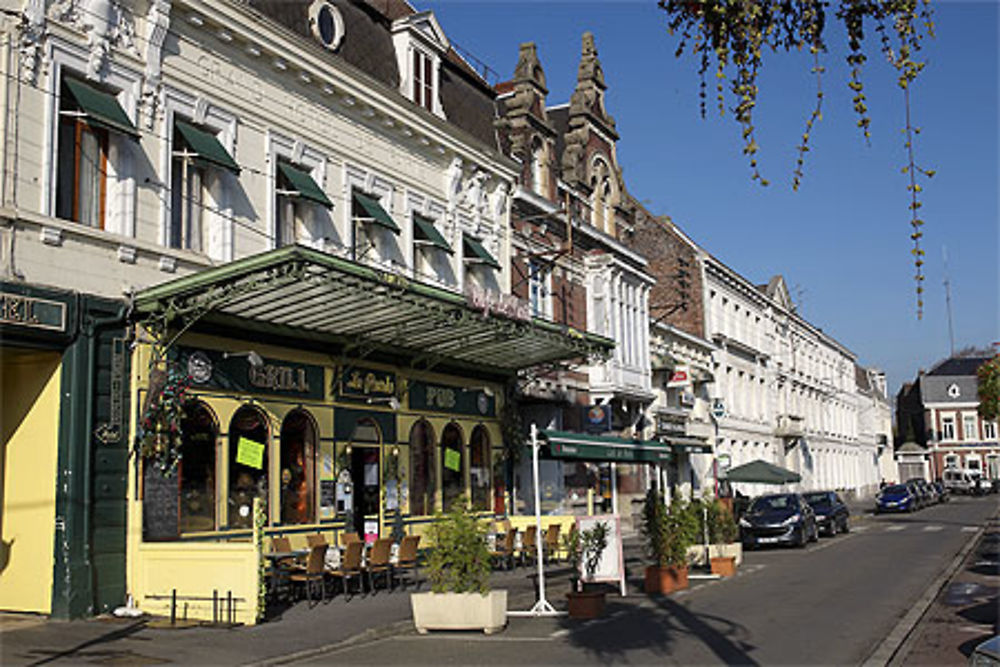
(951, 461)
(947, 428)
(423, 79)
(296, 195)
(248, 437)
(452, 466)
(989, 430)
(479, 468)
(197, 469)
(539, 289)
(196, 154)
(969, 430)
(538, 180)
(81, 192)
(298, 468)
(421, 469)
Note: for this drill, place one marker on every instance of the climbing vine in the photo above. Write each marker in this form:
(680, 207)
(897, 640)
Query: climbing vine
(733, 35)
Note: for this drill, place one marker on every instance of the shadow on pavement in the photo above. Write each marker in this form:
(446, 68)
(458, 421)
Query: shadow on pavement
(108, 637)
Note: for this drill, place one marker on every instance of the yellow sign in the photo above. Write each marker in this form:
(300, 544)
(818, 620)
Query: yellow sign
(452, 460)
(250, 453)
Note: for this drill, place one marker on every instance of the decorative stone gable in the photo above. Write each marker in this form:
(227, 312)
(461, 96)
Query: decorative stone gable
(586, 114)
(525, 118)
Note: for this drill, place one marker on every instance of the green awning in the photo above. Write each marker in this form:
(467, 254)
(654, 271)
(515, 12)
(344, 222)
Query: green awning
(475, 252)
(370, 209)
(207, 147)
(304, 185)
(762, 472)
(566, 445)
(100, 108)
(687, 444)
(424, 230)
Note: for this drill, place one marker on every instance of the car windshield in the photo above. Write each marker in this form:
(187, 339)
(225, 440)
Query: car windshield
(895, 488)
(770, 503)
(817, 498)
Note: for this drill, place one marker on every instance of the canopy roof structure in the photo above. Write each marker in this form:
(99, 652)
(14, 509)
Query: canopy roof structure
(762, 472)
(584, 446)
(297, 292)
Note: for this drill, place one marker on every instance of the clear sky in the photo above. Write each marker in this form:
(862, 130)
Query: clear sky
(842, 241)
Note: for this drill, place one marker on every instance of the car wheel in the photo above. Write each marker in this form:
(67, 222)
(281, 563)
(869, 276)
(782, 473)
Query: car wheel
(845, 527)
(815, 534)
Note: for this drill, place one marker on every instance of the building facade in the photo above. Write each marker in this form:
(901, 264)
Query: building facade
(938, 412)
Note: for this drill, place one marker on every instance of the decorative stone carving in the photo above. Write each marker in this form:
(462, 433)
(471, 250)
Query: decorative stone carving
(498, 201)
(586, 109)
(453, 182)
(157, 24)
(106, 23)
(32, 35)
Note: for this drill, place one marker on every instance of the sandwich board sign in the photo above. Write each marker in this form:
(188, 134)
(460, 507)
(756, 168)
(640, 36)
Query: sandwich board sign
(611, 566)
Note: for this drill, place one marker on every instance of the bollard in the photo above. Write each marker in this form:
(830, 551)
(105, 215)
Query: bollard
(215, 606)
(229, 607)
(173, 606)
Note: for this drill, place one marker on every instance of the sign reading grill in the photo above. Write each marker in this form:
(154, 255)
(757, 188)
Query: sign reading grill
(27, 311)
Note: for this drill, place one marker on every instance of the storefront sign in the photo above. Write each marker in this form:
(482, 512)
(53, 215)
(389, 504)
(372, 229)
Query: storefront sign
(597, 418)
(234, 372)
(366, 383)
(666, 426)
(250, 453)
(27, 311)
(489, 301)
(681, 377)
(457, 400)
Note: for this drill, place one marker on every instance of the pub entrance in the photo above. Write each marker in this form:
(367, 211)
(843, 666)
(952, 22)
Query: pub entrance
(366, 478)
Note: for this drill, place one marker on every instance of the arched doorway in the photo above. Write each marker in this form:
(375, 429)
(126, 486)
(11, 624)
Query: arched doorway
(197, 468)
(422, 469)
(298, 468)
(452, 465)
(365, 462)
(248, 438)
(479, 468)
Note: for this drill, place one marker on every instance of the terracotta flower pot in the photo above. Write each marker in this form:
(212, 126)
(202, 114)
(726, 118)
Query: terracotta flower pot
(588, 604)
(666, 579)
(724, 565)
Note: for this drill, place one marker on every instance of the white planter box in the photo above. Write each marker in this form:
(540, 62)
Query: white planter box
(459, 611)
(696, 554)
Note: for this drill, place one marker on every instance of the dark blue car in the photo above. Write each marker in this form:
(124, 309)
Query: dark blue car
(895, 498)
(782, 518)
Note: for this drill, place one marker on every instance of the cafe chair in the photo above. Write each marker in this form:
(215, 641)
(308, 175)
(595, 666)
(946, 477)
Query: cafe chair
(315, 540)
(503, 552)
(551, 545)
(529, 548)
(407, 559)
(281, 544)
(378, 562)
(313, 575)
(347, 538)
(350, 567)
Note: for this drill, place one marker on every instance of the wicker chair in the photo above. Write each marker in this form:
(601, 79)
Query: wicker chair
(314, 573)
(529, 544)
(407, 559)
(551, 545)
(350, 566)
(378, 562)
(315, 540)
(503, 553)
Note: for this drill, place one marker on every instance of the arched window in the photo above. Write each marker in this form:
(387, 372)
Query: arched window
(479, 468)
(197, 468)
(298, 468)
(452, 465)
(421, 469)
(248, 437)
(538, 181)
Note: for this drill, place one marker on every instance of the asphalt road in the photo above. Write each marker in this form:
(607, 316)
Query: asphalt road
(830, 603)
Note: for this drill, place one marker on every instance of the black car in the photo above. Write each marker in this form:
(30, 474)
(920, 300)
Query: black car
(832, 515)
(781, 518)
(919, 493)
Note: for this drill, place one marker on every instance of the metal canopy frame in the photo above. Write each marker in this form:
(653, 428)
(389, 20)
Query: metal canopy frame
(299, 292)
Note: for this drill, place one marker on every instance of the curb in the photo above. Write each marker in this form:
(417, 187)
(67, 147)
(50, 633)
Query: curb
(370, 635)
(896, 645)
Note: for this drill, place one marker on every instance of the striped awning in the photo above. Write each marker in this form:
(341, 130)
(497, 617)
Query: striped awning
(296, 292)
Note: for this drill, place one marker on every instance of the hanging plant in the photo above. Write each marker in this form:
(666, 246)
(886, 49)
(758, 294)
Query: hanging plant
(161, 431)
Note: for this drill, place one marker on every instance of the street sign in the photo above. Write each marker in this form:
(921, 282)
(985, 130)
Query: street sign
(718, 408)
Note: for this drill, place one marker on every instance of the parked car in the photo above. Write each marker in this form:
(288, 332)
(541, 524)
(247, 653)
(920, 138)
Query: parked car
(923, 492)
(986, 654)
(780, 518)
(942, 491)
(981, 485)
(832, 515)
(957, 480)
(895, 498)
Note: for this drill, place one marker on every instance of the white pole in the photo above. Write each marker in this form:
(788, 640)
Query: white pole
(542, 606)
(614, 488)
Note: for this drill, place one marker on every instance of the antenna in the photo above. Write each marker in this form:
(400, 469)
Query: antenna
(947, 299)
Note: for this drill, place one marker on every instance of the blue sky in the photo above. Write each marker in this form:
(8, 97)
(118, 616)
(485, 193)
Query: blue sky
(842, 241)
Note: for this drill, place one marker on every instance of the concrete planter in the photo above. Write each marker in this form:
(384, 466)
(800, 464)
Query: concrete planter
(665, 579)
(696, 554)
(459, 611)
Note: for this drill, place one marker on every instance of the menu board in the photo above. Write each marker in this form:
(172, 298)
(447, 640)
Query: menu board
(160, 504)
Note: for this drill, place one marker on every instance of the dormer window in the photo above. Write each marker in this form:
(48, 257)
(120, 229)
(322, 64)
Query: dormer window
(420, 46)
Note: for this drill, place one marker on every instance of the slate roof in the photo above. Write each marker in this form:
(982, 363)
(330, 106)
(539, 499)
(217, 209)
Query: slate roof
(958, 366)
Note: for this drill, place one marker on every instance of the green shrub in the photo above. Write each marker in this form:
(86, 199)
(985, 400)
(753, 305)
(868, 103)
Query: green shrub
(669, 531)
(459, 560)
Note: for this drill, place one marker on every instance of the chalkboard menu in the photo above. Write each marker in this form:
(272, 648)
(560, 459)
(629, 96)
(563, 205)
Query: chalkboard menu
(327, 493)
(160, 504)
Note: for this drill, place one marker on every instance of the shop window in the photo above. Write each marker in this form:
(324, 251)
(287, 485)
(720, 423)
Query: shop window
(452, 466)
(421, 469)
(248, 437)
(197, 469)
(298, 468)
(479, 468)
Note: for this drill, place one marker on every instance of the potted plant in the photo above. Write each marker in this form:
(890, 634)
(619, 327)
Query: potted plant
(586, 548)
(458, 568)
(668, 532)
(716, 525)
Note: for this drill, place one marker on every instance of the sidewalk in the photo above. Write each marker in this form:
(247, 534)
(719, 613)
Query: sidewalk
(964, 612)
(26, 639)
